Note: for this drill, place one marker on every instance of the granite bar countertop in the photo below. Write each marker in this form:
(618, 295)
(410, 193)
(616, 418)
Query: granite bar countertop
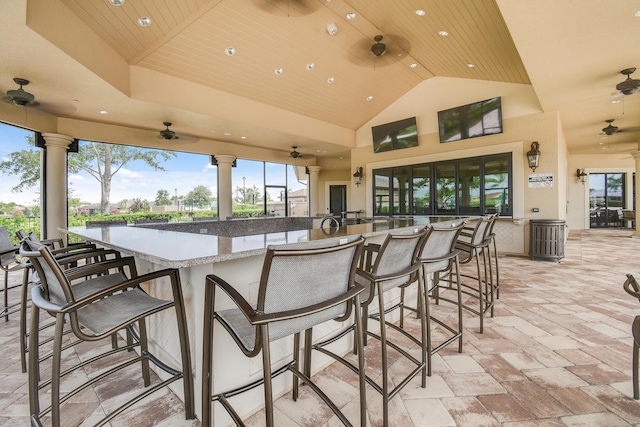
(179, 249)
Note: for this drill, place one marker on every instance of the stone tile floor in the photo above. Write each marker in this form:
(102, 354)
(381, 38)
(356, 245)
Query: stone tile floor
(557, 353)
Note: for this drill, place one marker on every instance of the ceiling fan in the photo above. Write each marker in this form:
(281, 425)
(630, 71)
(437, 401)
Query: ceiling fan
(167, 133)
(629, 86)
(21, 97)
(610, 129)
(295, 154)
(385, 50)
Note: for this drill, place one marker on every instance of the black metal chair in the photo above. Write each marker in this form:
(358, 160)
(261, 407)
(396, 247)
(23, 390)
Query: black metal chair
(474, 245)
(633, 289)
(384, 268)
(439, 260)
(93, 315)
(302, 285)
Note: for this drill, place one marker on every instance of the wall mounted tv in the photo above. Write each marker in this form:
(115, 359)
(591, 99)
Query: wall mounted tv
(395, 135)
(471, 121)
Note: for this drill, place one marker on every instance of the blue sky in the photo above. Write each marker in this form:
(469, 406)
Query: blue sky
(136, 179)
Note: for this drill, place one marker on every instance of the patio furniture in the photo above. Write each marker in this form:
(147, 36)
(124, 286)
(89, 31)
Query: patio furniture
(629, 218)
(297, 291)
(385, 268)
(632, 288)
(473, 244)
(8, 264)
(113, 223)
(92, 316)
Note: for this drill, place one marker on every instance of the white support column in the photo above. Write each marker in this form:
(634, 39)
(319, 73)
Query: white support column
(56, 183)
(314, 174)
(225, 190)
(636, 157)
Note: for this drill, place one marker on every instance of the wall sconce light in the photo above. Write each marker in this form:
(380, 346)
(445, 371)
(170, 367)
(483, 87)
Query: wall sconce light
(357, 177)
(582, 175)
(533, 155)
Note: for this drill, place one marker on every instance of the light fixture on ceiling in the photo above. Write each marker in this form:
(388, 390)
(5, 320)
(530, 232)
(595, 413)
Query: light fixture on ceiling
(144, 21)
(470, 65)
(230, 51)
(350, 15)
(582, 175)
(332, 29)
(20, 96)
(331, 80)
(116, 2)
(443, 33)
(357, 177)
(533, 156)
(310, 66)
(629, 86)
(420, 12)
(278, 71)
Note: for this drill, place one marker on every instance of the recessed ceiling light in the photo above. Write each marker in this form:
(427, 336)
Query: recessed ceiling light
(310, 66)
(318, 151)
(227, 134)
(443, 33)
(278, 71)
(243, 137)
(369, 98)
(330, 80)
(230, 51)
(144, 21)
(637, 13)
(420, 12)
(213, 131)
(332, 29)
(414, 65)
(103, 112)
(75, 101)
(116, 2)
(615, 101)
(350, 15)
(470, 65)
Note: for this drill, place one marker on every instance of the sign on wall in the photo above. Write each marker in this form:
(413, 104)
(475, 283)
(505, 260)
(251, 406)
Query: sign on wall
(540, 180)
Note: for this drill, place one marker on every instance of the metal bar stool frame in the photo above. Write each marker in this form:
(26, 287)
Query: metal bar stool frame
(260, 318)
(78, 311)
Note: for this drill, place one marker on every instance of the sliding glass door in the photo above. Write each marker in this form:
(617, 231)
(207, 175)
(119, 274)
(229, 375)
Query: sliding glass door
(606, 199)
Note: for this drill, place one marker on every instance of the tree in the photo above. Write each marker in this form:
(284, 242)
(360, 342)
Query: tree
(162, 198)
(200, 197)
(139, 205)
(249, 195)
(103, 161)
(24, 163)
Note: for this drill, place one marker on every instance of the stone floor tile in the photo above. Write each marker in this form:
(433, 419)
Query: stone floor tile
(549, 378)
(505, 407)
(469, 412)
(600, 419)
(576, 400)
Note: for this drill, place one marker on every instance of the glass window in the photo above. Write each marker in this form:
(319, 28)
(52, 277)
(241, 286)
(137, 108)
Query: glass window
(382, 182)
(297, 187)
(446, 188)
(248, 188)
(471, 186)
(421, 182)
(496, 185)
(20, 162)
(401, 190)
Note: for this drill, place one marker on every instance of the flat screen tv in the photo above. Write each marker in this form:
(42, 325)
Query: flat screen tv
(471, 121)
(395, 135)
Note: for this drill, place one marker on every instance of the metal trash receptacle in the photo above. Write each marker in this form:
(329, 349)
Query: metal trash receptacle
(546, 239)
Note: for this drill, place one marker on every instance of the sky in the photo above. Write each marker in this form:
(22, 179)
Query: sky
(137, 180)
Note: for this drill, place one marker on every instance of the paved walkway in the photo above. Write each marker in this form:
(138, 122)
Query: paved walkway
(557, 353)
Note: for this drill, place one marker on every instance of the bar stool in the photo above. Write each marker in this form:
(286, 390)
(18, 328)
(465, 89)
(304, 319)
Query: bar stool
(473, 244)
(633, 289)
(95, 316)
(439, 259)
(66, 256)
(492, 242)
(8, 264)
(302, 285)
(385, 268)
